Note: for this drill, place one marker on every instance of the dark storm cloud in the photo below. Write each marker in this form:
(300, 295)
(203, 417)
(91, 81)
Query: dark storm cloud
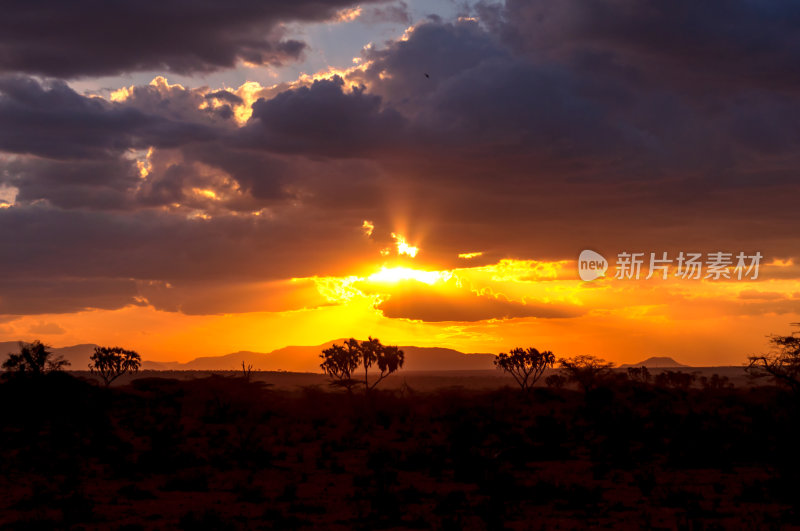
(41, 241)
(23, 296)
(93, 37)
(679, 43)
(90, 184)
(54, 121)
(179, 104)
(323, 119)
(74, 151)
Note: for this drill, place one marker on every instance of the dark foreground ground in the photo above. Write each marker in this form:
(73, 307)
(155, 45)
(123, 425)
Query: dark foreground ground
(418, 380)
(224, 453)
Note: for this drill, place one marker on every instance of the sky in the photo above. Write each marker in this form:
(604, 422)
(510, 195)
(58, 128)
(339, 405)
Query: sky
(197, 178)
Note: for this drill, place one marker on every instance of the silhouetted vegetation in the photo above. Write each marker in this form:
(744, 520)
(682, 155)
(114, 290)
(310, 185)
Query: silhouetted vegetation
(33, 359)
(586, 371)
(675, 379)
(340, 362)
(247, 370)
(639, 374)
(112, 362)
(782, 363)
(597, 447)
(525, 365)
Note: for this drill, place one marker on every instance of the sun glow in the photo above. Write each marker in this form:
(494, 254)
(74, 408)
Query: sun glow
(403, 247)
(345, 290)
(467, 256)
(397, 274)
(210, 194)
(368, 227)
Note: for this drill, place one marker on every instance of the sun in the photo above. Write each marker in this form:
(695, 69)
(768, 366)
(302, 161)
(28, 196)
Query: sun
(399, 273)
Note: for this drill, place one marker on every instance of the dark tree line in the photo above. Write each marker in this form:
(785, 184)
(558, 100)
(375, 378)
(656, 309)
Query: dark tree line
(33, 359)
(36, 358)
(527, 366)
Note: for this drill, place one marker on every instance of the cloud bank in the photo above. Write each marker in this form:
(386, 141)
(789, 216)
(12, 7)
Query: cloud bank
(530, 130)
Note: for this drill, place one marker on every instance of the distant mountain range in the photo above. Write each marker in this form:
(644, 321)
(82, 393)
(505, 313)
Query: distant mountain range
(292, 358)
(655, 362)
(306, 359)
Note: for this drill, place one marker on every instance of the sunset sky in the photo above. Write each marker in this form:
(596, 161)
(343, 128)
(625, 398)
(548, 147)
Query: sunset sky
(197, 178)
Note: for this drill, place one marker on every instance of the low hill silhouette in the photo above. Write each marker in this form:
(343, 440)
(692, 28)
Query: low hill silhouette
(292, 358)
(306, 359)
(655, 362)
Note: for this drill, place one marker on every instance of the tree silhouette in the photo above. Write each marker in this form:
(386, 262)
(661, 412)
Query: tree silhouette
(716, 382)
(341, 361)
(525, 365)
(387, 358)
(675, 379)
(112, 362)
(586, 371)
(34, 358)
(246, 370)
(782, 363)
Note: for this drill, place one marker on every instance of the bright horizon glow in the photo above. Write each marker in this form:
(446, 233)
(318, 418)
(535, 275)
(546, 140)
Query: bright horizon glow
(399, 273)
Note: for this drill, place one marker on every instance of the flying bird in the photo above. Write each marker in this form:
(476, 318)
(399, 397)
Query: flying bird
(427, 75)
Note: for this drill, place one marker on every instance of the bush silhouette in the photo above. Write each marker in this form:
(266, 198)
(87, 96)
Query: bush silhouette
(715, 382)
(555, 381)
(675, 379)
(525, 365)
(34, 358)
(586, 371)
(639, 374)
(112, 362)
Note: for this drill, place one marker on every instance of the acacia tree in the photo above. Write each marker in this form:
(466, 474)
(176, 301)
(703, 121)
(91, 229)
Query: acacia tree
(782, 363)
(525, 365)
(34, 358)
(389, 359)
(340, 362)
(112, 362)
(586, 370)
